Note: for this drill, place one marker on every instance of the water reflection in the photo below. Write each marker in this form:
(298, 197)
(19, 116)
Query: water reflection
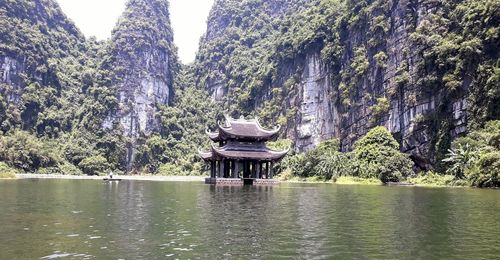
(147, 220)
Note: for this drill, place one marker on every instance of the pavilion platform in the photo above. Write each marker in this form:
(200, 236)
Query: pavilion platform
(241, 181)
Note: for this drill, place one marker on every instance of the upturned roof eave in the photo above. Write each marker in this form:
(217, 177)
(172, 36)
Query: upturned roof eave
(272, 154)
(226, 133)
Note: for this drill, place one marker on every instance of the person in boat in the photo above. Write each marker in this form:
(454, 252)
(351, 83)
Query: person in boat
(111, 174)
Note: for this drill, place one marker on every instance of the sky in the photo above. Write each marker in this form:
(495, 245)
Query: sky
(188, 18)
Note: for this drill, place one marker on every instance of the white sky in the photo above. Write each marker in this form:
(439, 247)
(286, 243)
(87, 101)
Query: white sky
(188, 19)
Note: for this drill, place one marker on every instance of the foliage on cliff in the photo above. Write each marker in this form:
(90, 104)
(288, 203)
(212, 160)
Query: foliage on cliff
(140, 45)
(174, 151)
(60, 93)
(58, 90)
(251, 59)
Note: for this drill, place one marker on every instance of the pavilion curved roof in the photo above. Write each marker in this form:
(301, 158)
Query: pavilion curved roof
(207, 156)
(243, 151)
(243, 130)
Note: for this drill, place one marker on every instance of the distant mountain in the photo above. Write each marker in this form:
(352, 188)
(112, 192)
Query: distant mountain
(99, 97)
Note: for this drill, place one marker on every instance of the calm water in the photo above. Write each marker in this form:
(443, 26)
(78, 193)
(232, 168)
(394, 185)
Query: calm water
(155, 220)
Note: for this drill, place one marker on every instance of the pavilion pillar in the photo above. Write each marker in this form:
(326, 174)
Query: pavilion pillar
(253, 169)
(221, 168)
(215, 168)
(226, 169)
(267, 170)
(245, 169)
(248, 173)
(212, 169)
(236, 169)
(271, 171)
(261, 173)
(257, 170)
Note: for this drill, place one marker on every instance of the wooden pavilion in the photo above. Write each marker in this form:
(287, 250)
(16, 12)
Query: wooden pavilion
(239, 153)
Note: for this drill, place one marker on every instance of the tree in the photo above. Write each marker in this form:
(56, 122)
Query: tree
(378, 153)
(486, 173)
(459, 160)
(94, 165)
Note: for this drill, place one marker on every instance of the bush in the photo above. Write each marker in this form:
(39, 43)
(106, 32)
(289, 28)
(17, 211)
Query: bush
(94, 165)
(381, 108)
(476, 157)
(281, 144)
(7, 172)
(26, 152)
(318, 162)
(486, 173)
(333, 165)
(69, 169)
(379, 136)
(378, 156)
(395, 168)
(49, 170)
(460, 159)
(170, 169)
(432, 179)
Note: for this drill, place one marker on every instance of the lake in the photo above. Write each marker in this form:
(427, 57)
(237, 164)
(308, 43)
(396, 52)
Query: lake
(90, 219)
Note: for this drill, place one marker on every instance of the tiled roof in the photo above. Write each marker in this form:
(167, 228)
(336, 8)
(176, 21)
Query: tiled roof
(243, 151)
(243, 130)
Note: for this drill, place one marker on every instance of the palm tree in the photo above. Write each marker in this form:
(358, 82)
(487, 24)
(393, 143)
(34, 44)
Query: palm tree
(459, 160)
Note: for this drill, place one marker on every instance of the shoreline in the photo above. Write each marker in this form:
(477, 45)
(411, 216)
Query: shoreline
(123, 177)
(173, 178)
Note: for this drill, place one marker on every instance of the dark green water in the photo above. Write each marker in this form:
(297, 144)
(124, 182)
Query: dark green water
(156, 220)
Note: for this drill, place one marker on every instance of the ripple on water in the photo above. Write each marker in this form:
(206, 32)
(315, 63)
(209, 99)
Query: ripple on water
(182, 249)
(58, 254)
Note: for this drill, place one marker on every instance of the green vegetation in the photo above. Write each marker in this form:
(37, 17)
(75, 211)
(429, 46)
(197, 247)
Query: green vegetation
(256, 54)
(57, 109)
(352, 180)
(375, 156)
(434, 179)
(7, 172)
(475, 158)
(473, 161)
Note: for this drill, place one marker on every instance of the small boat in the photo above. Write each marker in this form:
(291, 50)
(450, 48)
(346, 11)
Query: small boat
(111, 179)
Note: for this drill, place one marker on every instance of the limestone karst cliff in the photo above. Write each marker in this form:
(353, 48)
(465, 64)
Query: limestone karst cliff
(338, 68)
(39, 52)
(427, 70)
(95, 102)
(143, 59)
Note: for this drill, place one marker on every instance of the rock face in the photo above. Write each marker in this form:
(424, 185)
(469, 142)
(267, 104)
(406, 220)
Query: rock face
(33, 34)
(317, 119)
(10, 71)
(38, 45)
(143, 60)
(322, 112)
